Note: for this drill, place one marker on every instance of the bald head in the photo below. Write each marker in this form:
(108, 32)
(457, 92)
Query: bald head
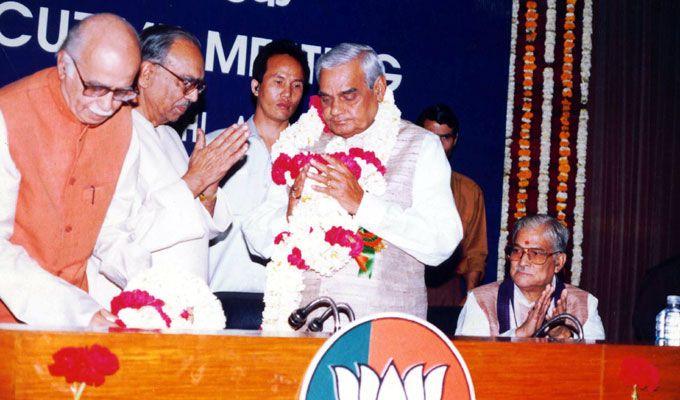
(104, 50)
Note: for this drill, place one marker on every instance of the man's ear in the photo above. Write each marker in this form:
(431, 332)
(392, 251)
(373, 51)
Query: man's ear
(145, 71)
(560, 260)
(379, 87)
(62, 64)
(254, 87)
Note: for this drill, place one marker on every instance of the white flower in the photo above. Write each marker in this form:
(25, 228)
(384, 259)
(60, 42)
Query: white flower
(369, 386)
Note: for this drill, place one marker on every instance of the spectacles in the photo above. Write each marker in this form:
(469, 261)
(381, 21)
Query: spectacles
(188, 84)
(448, 136)
(536, 256)
(124, 95)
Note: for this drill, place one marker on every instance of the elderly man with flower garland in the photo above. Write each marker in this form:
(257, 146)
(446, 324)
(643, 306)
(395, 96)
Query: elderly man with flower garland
(407, 217)
(519, 305)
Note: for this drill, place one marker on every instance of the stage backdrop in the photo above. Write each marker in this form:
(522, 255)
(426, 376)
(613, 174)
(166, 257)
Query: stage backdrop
(433, 50)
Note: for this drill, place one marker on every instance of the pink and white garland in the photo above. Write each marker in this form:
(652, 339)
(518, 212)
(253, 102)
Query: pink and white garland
(160, 298)
(321, 235)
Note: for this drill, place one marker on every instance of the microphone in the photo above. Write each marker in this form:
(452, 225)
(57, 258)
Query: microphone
(298, 318)
(559, 320)
(316, 325)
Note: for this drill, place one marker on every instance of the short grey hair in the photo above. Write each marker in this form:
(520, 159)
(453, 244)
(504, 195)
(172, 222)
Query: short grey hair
(75, 36)
(557, 234)
(343, 53)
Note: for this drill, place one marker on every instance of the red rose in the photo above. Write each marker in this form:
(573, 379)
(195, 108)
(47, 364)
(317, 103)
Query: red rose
(88, 365)
(279, 238)
(282, 164)
(345, 238)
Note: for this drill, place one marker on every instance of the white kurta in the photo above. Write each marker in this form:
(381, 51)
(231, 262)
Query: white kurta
(428, 230)
(232, 268)
(473, 321)
(34, 295)
(155, 215)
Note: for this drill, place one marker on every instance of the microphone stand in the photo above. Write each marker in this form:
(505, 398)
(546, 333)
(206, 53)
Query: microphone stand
(298, 318)
(316, 324)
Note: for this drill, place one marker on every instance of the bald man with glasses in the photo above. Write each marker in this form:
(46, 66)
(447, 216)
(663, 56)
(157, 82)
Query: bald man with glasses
(64, 135)
(534, 292)
(174, 213)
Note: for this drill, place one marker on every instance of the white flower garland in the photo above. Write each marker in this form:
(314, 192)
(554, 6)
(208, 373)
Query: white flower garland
(586, 48)
(303, 242)
(507, 161)
(581, 156)
(546, 121)
(550, 36)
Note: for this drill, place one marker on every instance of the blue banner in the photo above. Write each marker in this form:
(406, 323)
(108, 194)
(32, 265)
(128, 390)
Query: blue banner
(434, 51)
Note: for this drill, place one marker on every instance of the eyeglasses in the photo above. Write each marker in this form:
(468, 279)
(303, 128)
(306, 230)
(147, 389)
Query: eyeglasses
(188, 84)
(124, 95)
(448, 136)
(536, 256)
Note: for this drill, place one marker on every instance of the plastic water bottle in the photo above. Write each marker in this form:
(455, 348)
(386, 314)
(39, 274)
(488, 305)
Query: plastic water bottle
(668, 323)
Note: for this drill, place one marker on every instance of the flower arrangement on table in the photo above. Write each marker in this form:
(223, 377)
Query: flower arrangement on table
(158, 298)
(320, 235)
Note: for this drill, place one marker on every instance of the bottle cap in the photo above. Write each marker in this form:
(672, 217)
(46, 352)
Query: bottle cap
(673, 299)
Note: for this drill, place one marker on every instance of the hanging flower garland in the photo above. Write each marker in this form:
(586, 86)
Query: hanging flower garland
(321, 236)
(560, 139)
(564, 166)
(507, 160)
(524, 174)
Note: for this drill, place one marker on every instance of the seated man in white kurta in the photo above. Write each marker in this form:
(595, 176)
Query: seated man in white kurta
(175, 232)
(518, 306)
(415, 216)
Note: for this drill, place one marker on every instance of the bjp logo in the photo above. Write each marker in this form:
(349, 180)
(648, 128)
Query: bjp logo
(388, 356)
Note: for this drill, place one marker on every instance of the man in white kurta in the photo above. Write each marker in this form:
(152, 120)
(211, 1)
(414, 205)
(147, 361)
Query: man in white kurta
(518, 306)
(280, 72)
(175, 204)
(416, 217)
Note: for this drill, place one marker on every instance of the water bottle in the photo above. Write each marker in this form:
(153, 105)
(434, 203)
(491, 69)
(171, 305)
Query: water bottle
(668, 323)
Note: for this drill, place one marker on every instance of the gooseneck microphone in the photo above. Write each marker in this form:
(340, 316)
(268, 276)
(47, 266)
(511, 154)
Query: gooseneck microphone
(298, 318)
(316, 324)
(560, 319)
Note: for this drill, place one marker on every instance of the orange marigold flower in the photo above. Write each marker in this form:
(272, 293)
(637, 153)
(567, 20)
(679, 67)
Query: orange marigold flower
(519, 215)
(524, 142)
(565, 120)
(564, 168)
(531, 37)
(568, 84)
(569, 35)
(531, 24)
(566, 92)
(560, 206)
(531, 4)
(523, 196)
(528, 115)
(567, 67)
(568, 58)
(562, 177)
(523, 183)
(527, 93)
(565, 152)
(528, 82)
(523, 164)
(529, 47)
(524, 152)
(525, 126)
(524, 174)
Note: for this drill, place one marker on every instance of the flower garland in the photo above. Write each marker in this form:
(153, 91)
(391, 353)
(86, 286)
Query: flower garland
(550, 35)
(524, 174)
(321, 235)
(544, 173)
(158, 298)
(557, 127)
(567, 93)
(507, 161)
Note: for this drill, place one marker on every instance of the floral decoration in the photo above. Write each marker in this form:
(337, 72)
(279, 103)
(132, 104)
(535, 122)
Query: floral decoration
(560, 171)
(82, 366)
(320, 235)
(163, 298)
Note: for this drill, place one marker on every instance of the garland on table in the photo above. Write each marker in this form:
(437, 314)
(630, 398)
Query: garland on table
(562, 135)
(320, 234)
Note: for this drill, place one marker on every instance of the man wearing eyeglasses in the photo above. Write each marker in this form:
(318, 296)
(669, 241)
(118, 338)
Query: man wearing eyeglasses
(534, 292)
(174, 212)
(63, 144)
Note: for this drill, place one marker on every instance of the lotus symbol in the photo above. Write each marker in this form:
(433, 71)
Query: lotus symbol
(370, 386)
